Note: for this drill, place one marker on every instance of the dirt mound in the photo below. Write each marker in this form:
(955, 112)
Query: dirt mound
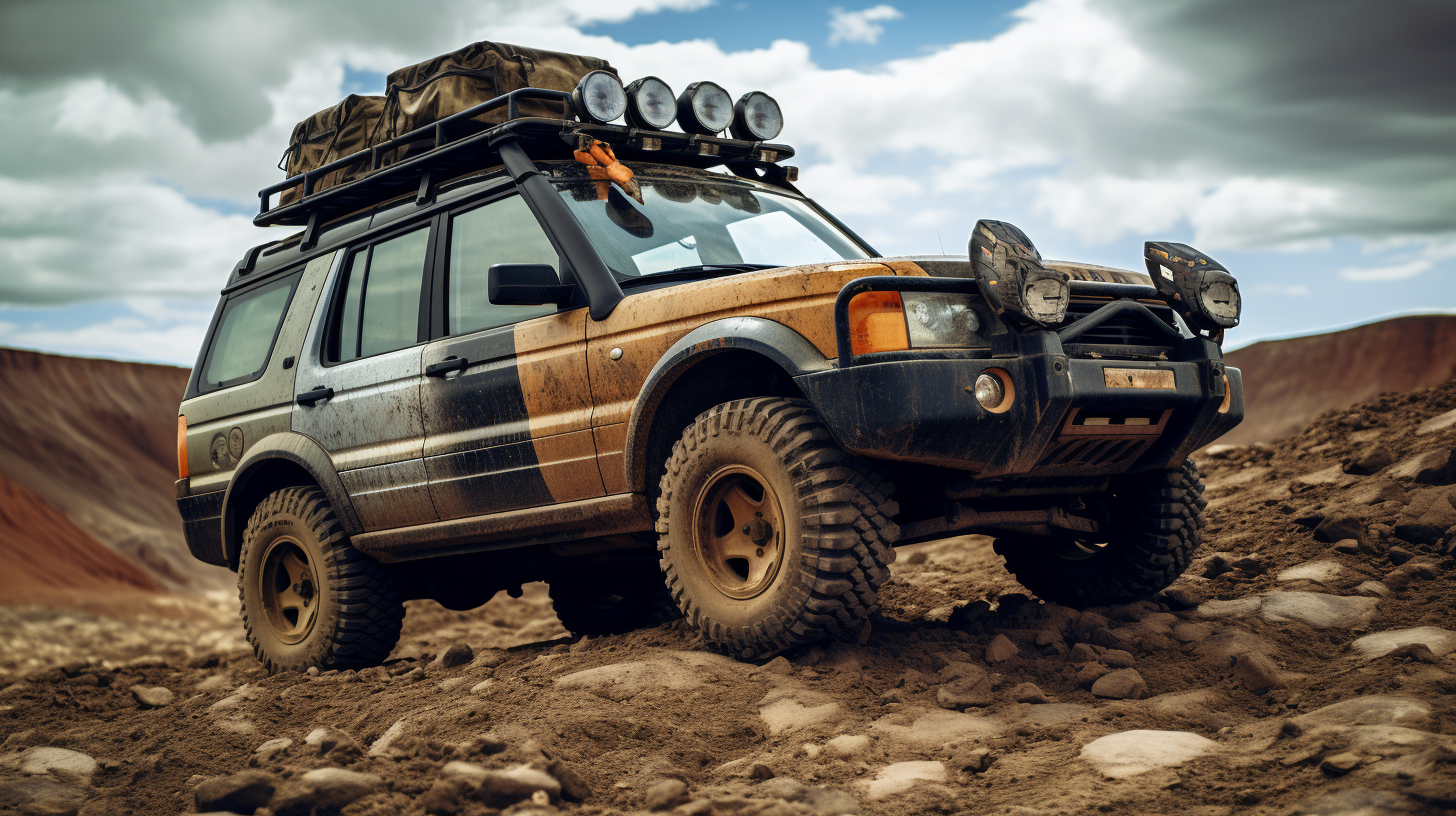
(35, 537)
(1306, 663)
(1289, 382)
(96, 440)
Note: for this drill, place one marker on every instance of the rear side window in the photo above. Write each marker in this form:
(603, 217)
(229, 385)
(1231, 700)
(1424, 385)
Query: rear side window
(379, 309)
(245, 334)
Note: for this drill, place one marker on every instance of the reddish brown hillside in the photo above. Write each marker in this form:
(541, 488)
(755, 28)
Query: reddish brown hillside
(1289, 382)
(96, 440)
(43, 551)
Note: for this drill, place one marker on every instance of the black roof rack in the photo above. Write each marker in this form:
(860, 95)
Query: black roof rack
(447, 157)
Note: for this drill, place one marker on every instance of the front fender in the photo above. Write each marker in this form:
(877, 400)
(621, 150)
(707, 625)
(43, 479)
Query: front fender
(780, 344)
(299, 450)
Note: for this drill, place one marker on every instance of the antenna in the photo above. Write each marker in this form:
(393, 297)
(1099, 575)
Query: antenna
(942, 242)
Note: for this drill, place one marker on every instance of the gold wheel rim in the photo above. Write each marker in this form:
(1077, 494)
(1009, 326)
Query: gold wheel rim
(290, 590)
(738, 532)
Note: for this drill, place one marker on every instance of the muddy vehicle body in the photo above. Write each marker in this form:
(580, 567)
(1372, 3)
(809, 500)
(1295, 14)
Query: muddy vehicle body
(693, 393)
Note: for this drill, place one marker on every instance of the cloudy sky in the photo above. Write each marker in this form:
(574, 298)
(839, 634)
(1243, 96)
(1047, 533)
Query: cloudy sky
(1309, 145)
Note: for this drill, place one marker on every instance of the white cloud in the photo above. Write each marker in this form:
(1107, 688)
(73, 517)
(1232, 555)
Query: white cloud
(860, 26)
(153, 329)
(1386, 273)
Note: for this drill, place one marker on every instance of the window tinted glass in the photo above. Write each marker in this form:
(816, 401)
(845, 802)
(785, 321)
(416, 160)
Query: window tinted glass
(504, 231)
(391, 314)
(245, 333)
(381, 291)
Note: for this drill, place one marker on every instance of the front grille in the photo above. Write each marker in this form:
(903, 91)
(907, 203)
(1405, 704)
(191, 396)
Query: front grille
(1091, 453)
(1125, 335)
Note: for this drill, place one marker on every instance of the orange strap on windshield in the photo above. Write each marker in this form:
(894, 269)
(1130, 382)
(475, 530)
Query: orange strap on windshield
(603, 167)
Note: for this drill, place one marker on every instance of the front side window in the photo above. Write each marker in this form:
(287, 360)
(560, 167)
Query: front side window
(503, 231)
(245, 334)
(688, 222)
(379, 310)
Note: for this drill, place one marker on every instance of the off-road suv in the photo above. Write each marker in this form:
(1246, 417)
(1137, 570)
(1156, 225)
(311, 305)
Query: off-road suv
(641, 366)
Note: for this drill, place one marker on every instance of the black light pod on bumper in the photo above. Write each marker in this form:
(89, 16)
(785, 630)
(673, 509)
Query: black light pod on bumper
(1009, 270)
(1196, 285)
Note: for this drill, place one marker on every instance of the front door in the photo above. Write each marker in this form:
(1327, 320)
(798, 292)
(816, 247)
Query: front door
(359, 388)
(507, 410)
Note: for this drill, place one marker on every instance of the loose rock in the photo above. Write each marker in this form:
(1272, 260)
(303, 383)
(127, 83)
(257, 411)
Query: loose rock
(666, 794)
(240, 793)
(1123, 684)
(1134, 752)
(323, 789)
(1000, 650)
(458, 654)
(1028, 693)
(152, 696)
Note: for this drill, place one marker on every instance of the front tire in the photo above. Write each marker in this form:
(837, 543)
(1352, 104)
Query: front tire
(771, 535)
(308, 597)
(1155, 525)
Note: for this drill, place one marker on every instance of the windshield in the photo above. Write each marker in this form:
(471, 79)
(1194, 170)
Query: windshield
(684, 222)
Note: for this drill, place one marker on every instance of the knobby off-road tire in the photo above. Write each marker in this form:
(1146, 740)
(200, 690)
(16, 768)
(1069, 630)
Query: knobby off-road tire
(1156, 525)
(612, 599)
(349, 612)
(816, 534)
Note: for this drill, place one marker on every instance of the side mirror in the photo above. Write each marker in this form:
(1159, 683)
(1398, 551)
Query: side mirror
(1011, 276)
(526, 285)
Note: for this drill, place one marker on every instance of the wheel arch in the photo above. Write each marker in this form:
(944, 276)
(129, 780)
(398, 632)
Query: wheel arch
(286, 459)
(732, 358)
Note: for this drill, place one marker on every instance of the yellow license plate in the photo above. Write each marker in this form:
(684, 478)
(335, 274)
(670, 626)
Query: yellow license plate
(1160, 378)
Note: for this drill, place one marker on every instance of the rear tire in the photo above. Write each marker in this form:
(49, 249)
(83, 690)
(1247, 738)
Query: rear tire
(771, 535)
(308, 597)
(1156, 525)
(612, 599)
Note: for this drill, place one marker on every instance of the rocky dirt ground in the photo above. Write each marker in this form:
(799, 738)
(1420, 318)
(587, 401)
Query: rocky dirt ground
(1305, 664)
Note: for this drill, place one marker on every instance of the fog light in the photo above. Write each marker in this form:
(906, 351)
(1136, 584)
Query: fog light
(1199, 287)
(993, 390)
(651, 104)
(599, 97)
(704, 108)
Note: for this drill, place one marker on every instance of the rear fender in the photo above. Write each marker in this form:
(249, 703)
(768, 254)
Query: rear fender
(274, 462)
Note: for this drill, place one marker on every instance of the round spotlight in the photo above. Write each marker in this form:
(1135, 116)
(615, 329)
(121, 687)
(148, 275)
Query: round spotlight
(704, 108)
(650, 104)
(599, 97)
(757, 117)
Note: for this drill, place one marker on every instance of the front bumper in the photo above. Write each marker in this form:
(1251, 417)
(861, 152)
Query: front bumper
(1067, 417)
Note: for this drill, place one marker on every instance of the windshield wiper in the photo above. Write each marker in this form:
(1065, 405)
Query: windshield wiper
(692, 272)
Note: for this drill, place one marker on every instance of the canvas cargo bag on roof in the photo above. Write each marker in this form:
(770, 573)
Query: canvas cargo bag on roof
(421, 94)
(331, 134)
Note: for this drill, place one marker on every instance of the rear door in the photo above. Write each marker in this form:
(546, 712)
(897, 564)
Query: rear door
(508, 422)
(359, 390)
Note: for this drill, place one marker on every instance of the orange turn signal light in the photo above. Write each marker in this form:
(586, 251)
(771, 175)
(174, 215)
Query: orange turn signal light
(877, 323)
(182, 446)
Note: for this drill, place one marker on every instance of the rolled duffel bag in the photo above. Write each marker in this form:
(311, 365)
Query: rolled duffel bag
(421, 94)
(331, 134)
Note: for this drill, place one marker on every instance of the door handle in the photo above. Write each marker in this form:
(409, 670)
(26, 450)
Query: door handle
(308, 398)
(445, 366)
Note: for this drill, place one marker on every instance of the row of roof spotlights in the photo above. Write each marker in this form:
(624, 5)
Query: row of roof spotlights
(703, 107)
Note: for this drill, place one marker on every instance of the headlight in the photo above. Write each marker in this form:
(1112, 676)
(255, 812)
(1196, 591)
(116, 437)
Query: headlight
(704, 108)
(599, 97)
(650, 104)
(757, 117)
(1193, 283)
(937, 320)
(1011, 275)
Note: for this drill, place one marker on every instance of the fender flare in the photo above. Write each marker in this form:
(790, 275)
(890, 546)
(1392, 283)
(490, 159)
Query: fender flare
(780, 344)
(297, 449)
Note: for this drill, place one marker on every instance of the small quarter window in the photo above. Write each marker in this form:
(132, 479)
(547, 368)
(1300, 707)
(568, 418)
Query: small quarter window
(245, 334)
(503, 231)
